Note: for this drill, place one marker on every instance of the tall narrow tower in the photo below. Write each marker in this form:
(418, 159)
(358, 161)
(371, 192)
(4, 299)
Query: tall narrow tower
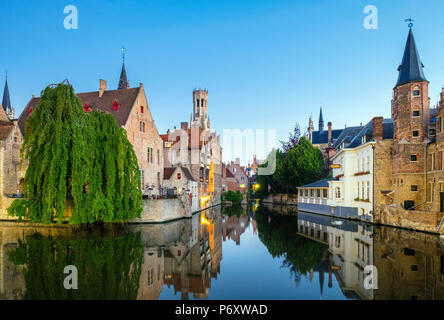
(321, 121)
(123, 81)
(200, 108)
(410, 113)
(6, 102)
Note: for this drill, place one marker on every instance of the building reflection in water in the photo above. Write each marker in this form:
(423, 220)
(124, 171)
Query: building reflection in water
(184, 257)
(410, 265)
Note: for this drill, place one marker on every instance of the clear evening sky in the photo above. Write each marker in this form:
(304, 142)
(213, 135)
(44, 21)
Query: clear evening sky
(266, 64)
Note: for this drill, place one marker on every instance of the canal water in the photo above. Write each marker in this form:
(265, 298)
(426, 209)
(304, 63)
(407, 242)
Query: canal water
(223, 253)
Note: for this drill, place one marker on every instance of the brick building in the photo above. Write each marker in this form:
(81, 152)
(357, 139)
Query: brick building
(229, 182)
(240, 174)
(130, 108)
(11, 139)
(178, 180)
(402, 178)
(197, 148)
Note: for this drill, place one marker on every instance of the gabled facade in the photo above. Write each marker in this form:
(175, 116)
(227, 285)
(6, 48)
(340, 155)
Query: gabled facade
(131, 110)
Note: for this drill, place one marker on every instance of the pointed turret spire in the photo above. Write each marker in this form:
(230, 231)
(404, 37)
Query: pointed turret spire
(321, 121)
(6, 103)
(411, 68)
(123, 82)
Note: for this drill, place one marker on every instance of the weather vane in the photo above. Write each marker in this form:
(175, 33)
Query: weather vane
(410, 21)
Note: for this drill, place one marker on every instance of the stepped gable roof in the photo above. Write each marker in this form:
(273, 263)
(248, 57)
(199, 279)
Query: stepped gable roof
(125, 98)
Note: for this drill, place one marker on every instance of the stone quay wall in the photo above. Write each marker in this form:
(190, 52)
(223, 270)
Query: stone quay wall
(395, 215)
(282, 198)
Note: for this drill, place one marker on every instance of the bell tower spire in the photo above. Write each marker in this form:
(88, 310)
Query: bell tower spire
(123, 81)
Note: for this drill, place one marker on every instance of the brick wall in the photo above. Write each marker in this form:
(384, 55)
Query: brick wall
(141, 141)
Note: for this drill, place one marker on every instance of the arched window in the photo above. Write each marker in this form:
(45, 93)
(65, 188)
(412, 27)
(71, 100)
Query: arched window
(141, 109)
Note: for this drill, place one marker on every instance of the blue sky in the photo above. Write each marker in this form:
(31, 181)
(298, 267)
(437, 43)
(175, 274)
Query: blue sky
(266, 64)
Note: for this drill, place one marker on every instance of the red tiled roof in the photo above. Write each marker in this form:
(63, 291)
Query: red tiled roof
(228, 173)
(203, 135)
(125, 98)
(5, 129)
(167, 172)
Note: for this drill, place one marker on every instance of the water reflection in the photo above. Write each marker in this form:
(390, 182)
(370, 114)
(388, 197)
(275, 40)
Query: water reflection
(265, 252)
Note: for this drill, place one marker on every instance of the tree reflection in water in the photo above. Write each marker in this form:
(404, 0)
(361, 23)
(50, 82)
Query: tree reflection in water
(279, 234)
(108, 266)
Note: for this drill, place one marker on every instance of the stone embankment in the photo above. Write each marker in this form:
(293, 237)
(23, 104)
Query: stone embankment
(282, 198)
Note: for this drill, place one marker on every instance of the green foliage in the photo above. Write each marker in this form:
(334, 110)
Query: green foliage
(282, 240)
(79, 159)
(235, 197)
(108, 268)
(301, 164)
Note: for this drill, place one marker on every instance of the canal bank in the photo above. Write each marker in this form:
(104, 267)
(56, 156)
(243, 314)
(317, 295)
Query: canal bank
(154, 211)
(315, 200)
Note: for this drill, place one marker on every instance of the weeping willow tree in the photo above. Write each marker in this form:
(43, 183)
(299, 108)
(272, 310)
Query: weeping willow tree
(108, 268)
(79, 160)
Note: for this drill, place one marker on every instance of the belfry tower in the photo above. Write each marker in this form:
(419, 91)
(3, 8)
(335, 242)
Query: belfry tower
(200, 109)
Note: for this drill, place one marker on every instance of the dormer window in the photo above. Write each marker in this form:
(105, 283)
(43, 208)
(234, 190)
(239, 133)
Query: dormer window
(363, 139)
(416, 92)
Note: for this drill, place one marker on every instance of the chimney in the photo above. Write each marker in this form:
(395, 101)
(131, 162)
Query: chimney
(102, 87)
(184, 125)
(329, 133)
(377, 128)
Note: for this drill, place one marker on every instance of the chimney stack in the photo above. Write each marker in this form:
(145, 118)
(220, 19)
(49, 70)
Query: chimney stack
(184, 125)
(102, 88)
(329, 133)
(377, 128)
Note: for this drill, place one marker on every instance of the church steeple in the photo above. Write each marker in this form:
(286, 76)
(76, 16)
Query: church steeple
(321, 121)
(123, 82)
(411, 68)
(6, 103)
